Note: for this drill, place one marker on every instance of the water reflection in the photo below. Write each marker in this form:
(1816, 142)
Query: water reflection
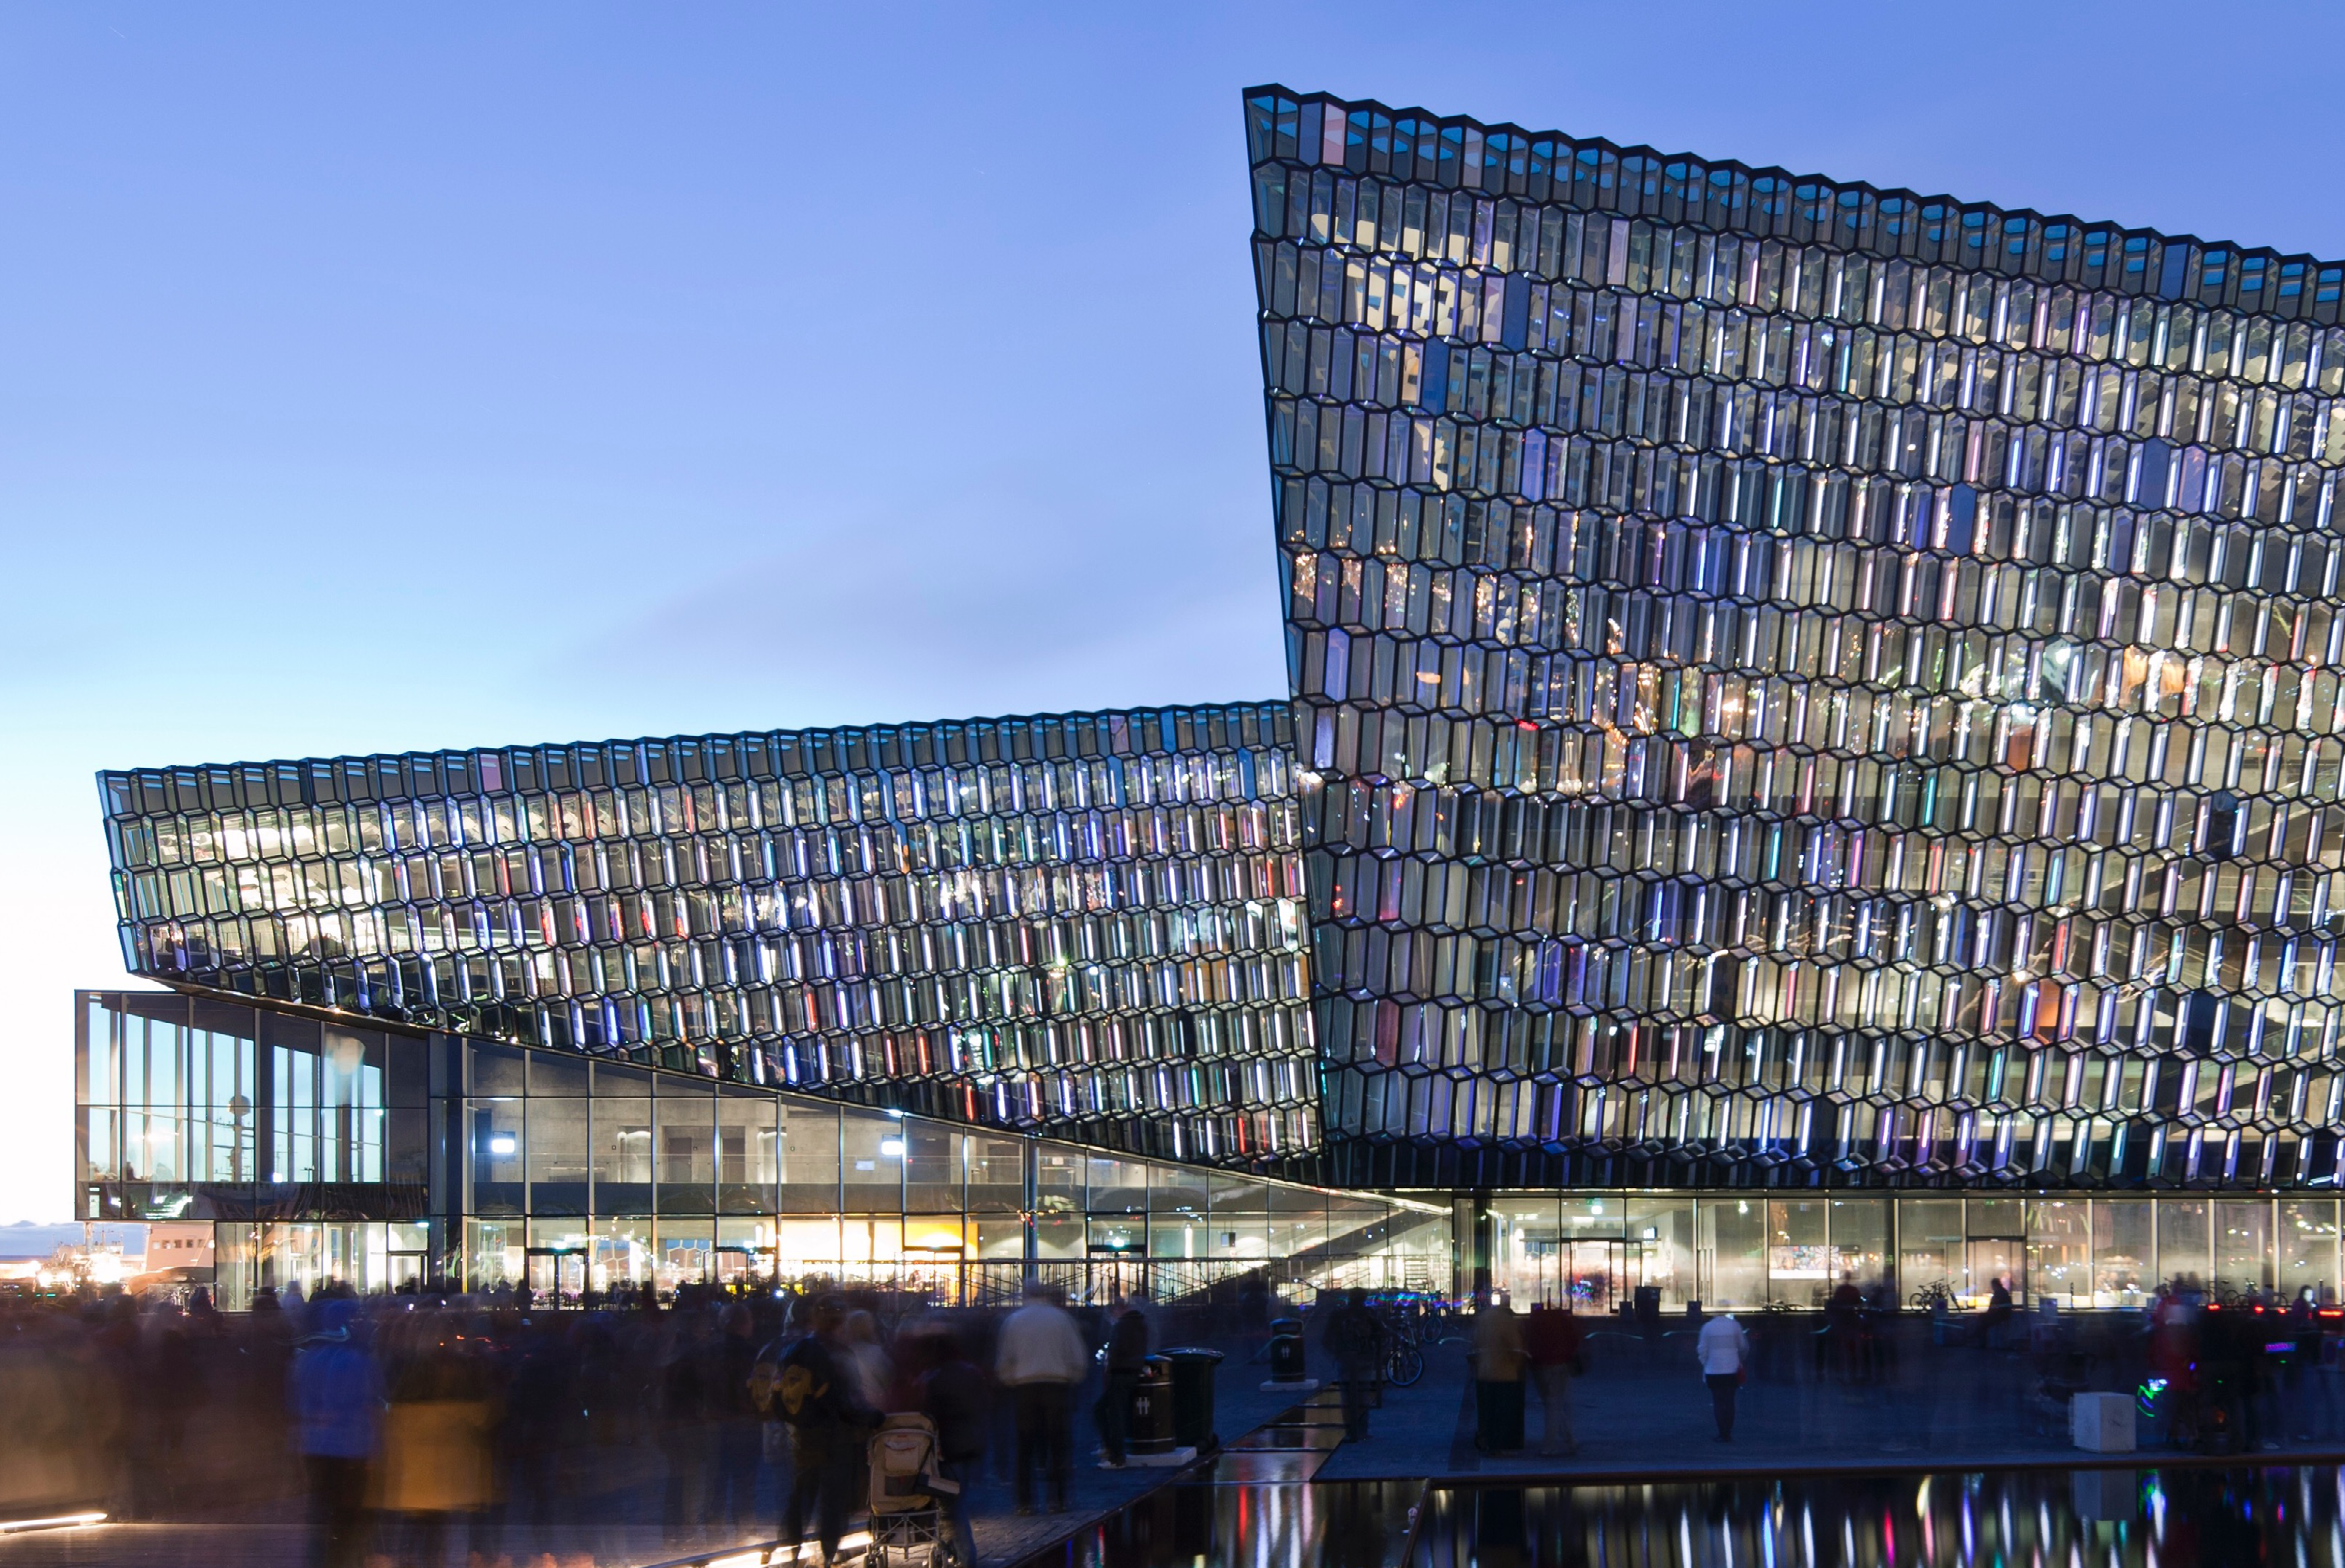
(1343, 1524)
(2109, 1519)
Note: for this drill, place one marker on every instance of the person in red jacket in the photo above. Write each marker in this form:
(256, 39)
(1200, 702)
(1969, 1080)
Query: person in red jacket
(1554, 1339)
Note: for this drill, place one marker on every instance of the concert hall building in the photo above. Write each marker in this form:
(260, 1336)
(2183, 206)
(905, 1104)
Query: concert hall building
(1812, 746)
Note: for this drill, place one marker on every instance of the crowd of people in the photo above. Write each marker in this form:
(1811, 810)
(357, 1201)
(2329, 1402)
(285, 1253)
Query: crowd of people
(2222, 1372)
(424, 1430)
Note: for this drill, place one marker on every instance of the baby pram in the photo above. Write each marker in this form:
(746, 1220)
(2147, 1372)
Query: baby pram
(909, 1528)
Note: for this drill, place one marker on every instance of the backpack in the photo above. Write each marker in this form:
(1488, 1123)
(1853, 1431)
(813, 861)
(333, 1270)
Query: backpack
(797, 1388)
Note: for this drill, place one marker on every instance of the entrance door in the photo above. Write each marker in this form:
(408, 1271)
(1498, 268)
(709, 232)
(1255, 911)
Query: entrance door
(1595, 1274)
(556, 1277)
(1992, 1258)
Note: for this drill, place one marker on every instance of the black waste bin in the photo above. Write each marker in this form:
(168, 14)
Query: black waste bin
(1151, 1408)
(1286, 1351)
(1194, 1372)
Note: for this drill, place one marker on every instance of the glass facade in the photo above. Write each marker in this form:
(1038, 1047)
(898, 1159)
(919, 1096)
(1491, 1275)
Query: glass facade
(326, 1149)
(1091, 924)
(1778, 1248)
(1796, 684)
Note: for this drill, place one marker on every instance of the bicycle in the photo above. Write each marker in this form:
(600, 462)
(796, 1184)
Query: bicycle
(1404, 1361)
(1930, 1297)
(1403, 1364)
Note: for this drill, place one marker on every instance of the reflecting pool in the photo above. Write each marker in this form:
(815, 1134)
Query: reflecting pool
(1335, 1524)
(2169, 1518)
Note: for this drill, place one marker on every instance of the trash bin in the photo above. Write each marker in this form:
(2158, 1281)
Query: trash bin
(1286, 1351)
(1151, 1408)
(1193, 1373)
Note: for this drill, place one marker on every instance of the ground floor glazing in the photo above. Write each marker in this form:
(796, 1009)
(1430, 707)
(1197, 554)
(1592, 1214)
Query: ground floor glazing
(1758, 1249)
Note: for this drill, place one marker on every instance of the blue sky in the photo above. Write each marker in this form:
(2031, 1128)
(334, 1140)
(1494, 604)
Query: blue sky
(376, 377)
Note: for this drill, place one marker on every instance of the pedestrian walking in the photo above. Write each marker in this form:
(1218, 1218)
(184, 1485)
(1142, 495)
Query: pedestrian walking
(1040, 1360)
(1724, 1352)
(336, 1393)
(804, 1385)
(1127, 1363)
(953, 1397)
(1556, 1341)
(1355, 1342)
(874, 1374)
(732, 1359)
(439, 1473)
(1499, 1364)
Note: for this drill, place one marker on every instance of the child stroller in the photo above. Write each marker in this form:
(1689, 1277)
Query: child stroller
(909, 1528)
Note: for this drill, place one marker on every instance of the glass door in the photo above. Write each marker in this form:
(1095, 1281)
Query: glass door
(1595, 1274)
(1994, 1258)
(556, 1276)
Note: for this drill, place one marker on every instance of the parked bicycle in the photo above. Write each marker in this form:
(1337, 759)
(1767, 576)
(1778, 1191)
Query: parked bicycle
(1933, 1296)
(1409, 1327)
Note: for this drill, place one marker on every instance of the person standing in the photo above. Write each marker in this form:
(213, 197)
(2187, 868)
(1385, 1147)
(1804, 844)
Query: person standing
(1554, 1339)
(732, 1365)
(1127, 1362)
(1355, 1341)
(684, 1429)
(336, 1394)
(1499, 1358)
(1724, 1352)
(1040, 1360)
(804, 1386)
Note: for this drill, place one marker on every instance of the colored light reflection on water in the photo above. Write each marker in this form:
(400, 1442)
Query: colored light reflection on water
(2172, 1518)
(1336, 1524)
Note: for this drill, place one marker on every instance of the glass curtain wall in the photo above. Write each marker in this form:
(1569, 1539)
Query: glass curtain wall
(653, 1179)
(307, 1143)
(1759, 1249)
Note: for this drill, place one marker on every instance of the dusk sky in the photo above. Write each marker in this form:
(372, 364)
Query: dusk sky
(377, 378)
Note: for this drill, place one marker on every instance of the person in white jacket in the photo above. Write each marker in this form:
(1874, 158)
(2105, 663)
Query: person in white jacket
(1724, 1352)
(1041, 1359)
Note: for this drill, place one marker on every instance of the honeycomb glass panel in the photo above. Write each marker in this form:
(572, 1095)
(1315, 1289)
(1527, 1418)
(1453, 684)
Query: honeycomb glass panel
(1091, 924)
(1791, 692)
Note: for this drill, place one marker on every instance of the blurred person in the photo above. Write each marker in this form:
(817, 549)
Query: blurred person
(44, 1458)
(1841, 1350)
(263, 1348)
(336, 1393)
(804, 1385)
(173, 1377)
(1555, 1340)
(1723, 1350)
(1355, 1342)
(953, 1396)
(731, 1365)
(1127, 1363)
(437, 1471)
(1998, 1310)
(874, 1372)
(541, 1410)
(116, 1347)
(2173, 1361)
(1040, 1358)
(683, 1432)
(1499, 1361)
